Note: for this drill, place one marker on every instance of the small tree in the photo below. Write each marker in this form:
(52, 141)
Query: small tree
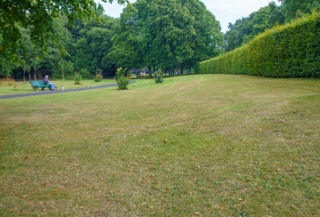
(36, 64)
(77, 78)
(26, 68)
(158, 76)
(98, 77)
(123, 77)
(66, 67)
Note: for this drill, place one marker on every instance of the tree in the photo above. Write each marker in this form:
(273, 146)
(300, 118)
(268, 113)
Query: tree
(39, 17)
(258, 23)
(235, 35)
(296, 8)
(277, 16)
(169, 25)
(169, 36)
(91, 44)
(65, 66)
(129, 40)
(36, 64)
(30, 56)
(7, 66)
(247, 28)
(26, 68)
(57, 58)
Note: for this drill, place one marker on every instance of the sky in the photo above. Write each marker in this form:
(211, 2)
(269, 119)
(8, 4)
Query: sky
(225, 11)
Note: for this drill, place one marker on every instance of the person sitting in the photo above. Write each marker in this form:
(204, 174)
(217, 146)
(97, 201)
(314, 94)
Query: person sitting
(48, 83)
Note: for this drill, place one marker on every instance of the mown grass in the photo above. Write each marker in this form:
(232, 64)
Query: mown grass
(9, 87)
(236, 146)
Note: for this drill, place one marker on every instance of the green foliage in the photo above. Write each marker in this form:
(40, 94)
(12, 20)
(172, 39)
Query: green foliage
(6, 66)
(84, 46)
(158, 76)
(92, 42)
(85, 74)
(291, 50)
(63, 70)
(175, 34)
(39, 17)
(77, 78)
(98, 77)
(297, 8)
(122, 78)
(247, 28)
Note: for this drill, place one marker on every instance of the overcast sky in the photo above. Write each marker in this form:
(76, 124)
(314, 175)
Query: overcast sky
(225, 11)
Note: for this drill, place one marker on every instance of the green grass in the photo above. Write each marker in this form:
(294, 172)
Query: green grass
(13, 87)
(236, 146)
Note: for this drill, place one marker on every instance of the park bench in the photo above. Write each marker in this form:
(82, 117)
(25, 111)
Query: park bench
(38, 84)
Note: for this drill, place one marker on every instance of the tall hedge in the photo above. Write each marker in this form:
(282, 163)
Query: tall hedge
(291, 50)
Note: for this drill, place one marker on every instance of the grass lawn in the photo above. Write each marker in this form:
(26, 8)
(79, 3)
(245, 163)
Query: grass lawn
(201, 145)
(12, 87)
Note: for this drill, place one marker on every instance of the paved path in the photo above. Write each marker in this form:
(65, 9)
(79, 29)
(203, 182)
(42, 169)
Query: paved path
(38, 93)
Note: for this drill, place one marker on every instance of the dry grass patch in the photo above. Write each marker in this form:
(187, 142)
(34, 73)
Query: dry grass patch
(236, 146)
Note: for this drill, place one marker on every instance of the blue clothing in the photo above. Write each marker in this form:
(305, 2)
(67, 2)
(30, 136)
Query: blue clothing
(48, 83)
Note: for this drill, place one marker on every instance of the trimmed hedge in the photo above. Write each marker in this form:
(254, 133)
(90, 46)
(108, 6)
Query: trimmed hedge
(291, 50)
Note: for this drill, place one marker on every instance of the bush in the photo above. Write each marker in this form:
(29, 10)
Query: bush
(158, 76)
(122, 78)
(77, 78)
(98, 77)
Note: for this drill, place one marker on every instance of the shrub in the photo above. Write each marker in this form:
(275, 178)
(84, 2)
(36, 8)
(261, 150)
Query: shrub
(77, 78)
(98, 77)
(158, 76)
(122, 78)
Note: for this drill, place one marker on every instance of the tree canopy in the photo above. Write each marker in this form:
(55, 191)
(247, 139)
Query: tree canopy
(296, 8)
(246, 28)
(91, 43)
(177, 34)
(38, 16)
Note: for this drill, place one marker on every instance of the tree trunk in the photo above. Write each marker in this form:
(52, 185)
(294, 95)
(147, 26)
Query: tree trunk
(24, 76)
(62, 70)
(35, 75)
(171, 71)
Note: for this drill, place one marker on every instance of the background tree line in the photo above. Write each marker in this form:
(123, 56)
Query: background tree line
(246, 28)
(149, 35)
(81, 48)
(172, 37)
